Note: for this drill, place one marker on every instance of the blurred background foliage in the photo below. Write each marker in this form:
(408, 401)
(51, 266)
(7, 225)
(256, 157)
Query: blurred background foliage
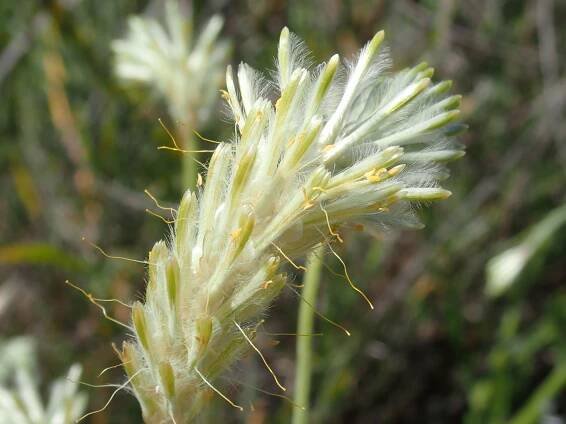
(459, 333)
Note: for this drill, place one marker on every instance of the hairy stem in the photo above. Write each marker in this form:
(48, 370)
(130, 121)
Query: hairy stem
(304, 340)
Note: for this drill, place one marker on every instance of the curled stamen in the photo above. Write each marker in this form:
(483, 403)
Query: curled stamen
(288, 258)
(112, 367)
(152, 197)
(94, 302)
(168, 133)
(94, 386)
(279, 395)
(121, 387)
(165, 220)
(97, 247)
(261, 356)
(176, 149)
(349, 279)
(329, 227)
(318, 313)
(206, 139)
(218, 392)
(293, 334)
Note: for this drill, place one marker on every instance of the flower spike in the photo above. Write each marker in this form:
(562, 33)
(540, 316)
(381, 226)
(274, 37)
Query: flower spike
(330, 153)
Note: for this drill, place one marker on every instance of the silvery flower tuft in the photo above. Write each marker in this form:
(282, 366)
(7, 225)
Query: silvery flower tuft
(343, 145)
(186, 70)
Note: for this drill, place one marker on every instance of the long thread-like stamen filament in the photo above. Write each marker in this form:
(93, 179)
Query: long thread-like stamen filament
(121, 387)
(349, 279)
(334, 323)
(262, 357)
(94, 302)
(97, 247)
(218, 392)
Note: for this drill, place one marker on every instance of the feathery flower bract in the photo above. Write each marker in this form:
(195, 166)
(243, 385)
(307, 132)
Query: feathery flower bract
(342, 145)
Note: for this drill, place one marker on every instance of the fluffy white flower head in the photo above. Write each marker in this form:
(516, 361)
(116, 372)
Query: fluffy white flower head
(186, 72)
(316, 151)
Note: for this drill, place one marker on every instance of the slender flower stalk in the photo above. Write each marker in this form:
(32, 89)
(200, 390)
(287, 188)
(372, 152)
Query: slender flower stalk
(305, 327)
(341, 147)
(186, 71)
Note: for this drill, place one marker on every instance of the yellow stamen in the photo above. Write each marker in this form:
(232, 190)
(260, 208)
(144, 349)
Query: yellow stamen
(349, 279)
(262, 357)
(112, 256)
(217, 391)
(288, 258)
(93, 300)
(165, 220)
(318, 313)
(121, 387)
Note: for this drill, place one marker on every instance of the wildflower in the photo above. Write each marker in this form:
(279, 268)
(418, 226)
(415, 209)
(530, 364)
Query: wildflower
(185, 70)
(342, 146)
(22, 404)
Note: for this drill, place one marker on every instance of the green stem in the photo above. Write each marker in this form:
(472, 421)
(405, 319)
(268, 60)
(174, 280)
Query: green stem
(549, 388)
(304, 340)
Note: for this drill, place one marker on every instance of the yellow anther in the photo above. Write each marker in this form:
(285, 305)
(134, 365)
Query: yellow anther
(236, 233)
(396, 170)
(308, 203)
(321, 189)
(203, 332)
(359, 227)
(266, 284)
(376, 175)
(224, 94)
(292, 141)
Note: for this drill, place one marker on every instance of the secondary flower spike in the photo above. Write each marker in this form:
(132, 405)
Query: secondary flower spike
(342, 145)
(184, 66)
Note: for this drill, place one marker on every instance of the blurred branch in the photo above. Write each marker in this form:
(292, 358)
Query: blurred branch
(443, 28)
(548, 55)
(423, 19)
(549, 65)
(125, 196)
(65, 123)
(38, 253)
(20, 44)
(550, 387)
